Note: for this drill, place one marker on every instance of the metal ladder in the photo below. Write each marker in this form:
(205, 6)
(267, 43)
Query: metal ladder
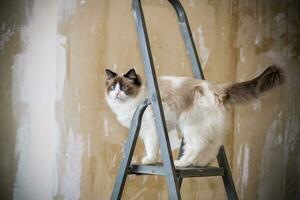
(174, 176)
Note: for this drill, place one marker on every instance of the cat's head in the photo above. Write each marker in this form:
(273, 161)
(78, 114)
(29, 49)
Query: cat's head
(122, 87)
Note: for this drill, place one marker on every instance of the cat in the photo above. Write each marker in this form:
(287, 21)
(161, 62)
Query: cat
(198, 108)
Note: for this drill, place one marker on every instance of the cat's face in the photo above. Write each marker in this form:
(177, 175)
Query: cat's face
(122, 87)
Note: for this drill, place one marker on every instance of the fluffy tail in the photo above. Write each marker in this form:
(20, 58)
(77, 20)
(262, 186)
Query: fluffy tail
(250, 90)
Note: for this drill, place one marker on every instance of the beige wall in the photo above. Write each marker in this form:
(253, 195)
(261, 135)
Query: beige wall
(266, 139)
(56, 126)
(10, 45)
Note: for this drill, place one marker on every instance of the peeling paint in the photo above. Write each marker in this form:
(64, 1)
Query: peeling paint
(106, 127)
(245, 172)
(145, 180)
(267, 180)
(239, 156)
(223, 31)
(79, 107)
(114, 67)
(256, 105)
(114, 160)
(71, 180)
(6, 34)
(257, 39)
(242, 56)
(61, 64)
(204, 51)
(34, 94)
(123, 151)
(89, 145)
(281, 24)
(67, 9)
(238, 122)
(137, 195)
(278, 57)
(93, 29)
(192, 3)
(82, 2)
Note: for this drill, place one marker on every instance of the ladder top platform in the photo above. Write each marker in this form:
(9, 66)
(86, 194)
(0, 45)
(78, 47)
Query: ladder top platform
(188, 172)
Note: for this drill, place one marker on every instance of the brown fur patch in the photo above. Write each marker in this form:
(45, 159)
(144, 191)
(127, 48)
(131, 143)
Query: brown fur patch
(219, 93)
(246, 91)
(179, 98)
(131, 88)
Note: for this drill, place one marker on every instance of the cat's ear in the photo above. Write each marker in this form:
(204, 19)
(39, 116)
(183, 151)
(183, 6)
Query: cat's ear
(131, 74)
(133, 77)
(110, 74)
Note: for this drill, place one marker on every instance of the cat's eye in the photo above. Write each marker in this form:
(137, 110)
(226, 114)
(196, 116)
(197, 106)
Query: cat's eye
(124, 87)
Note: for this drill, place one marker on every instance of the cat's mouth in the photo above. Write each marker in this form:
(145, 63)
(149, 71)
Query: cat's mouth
(119, 97)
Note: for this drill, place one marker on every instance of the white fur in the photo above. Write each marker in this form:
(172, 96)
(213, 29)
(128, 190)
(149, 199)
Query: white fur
(124, 106)
(203, 131)
(202, 125)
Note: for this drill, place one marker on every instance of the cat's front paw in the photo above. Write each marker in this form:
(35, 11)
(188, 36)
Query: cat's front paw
(180, 163)
(148, 160)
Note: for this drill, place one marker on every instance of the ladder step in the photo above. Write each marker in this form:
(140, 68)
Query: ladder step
(187, 172)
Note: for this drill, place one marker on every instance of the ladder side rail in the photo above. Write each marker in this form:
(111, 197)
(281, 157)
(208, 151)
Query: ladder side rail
(227, 178)
(188, 39)
(155, 98)
(129, 150)
(192, 53)
(198, 73)
(180, 153)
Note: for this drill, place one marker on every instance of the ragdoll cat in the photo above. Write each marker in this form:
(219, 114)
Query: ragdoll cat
(197, 108)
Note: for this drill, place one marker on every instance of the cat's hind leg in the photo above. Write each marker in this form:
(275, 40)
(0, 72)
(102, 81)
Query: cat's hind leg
(192, 147)
(209, 154)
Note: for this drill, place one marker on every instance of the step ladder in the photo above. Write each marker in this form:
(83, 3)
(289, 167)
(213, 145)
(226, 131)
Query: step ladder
(173, 176)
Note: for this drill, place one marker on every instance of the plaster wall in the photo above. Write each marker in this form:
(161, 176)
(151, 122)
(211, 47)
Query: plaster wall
(59, 139)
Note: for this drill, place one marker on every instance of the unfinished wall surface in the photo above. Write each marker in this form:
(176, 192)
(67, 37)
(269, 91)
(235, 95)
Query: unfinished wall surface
(267, 133)
(59, 139)
(10, 45)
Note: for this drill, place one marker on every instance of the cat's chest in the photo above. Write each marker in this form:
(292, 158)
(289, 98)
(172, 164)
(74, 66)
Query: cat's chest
(124, 112)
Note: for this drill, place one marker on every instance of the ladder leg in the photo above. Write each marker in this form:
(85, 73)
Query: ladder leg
(166, 154)
(128, 150)
(160, 123)
(227, 178)
(180, 179)
(192, 53)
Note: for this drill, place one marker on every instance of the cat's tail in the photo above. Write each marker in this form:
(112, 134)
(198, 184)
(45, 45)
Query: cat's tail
(247, 91)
